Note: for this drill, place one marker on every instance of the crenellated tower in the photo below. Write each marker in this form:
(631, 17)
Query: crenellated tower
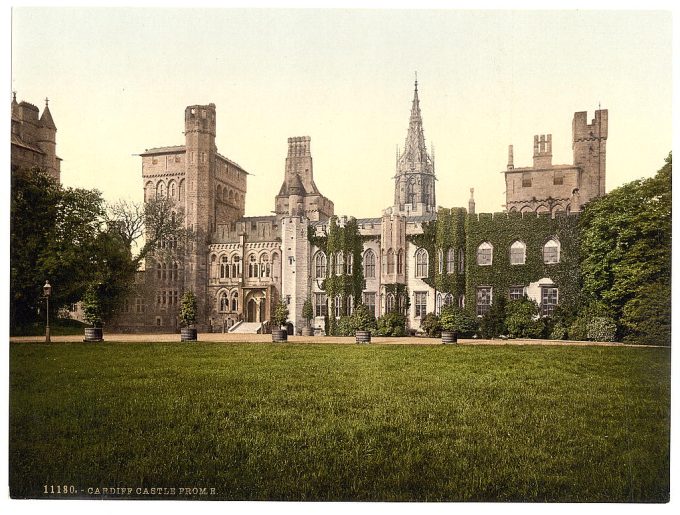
(414, 181)
(590, 152)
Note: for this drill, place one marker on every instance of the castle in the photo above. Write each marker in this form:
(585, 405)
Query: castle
(413, 258)
(33, 139)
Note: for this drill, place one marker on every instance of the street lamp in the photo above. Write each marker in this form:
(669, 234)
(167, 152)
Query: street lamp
(47, 290)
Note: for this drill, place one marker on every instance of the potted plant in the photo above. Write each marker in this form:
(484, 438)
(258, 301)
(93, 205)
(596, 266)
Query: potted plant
(364, 322)
(93, 313)
(308, 314)
(279, 318)
(456, 322)
(187, 317)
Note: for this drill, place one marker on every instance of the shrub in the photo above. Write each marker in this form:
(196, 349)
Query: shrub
(558, 332)
(92, 306)
(391, 324)
(492, 323)
(363, 319)
(280, 315)
(460, 321)
(601, 329)
(307, 311)
(522, 319)
(188, 309)
(344, 327)
(431, 325)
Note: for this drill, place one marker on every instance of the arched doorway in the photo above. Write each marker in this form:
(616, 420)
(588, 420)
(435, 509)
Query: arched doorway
(252, 312)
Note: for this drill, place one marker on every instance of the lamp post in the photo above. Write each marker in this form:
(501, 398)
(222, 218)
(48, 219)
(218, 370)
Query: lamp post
(47, 290)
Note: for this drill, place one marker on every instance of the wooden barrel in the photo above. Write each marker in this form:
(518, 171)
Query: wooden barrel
(279, 335)
(449, 337)
(363, 336)
(93, 334)
(307, 331)
(188, 334)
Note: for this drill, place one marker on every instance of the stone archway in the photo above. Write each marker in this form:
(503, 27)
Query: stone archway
(252, 311)
(255, 310)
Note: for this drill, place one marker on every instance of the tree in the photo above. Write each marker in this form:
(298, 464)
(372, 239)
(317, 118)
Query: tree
(54, 235)
(626, 246)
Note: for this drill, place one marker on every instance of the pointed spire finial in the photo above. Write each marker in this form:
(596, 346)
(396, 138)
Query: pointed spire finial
(416, 81)
(47, 101)
(14, 95)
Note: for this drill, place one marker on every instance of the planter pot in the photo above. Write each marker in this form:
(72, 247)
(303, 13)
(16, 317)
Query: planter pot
(279, 335)
(188, 334)
(93, 334)
(449, 337)
(307, 331)
(363, 336)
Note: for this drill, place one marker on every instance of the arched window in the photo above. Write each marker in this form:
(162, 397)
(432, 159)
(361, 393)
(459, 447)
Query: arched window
(320, 265)
(148, 191)
(339, 263)
(224, 267)
(389, 303)
(160, 189)
(421, 263)
(485, 254)
(450, 261)
(400, 261)
(438, 306)
(390, 261)
(440, 261)
(172, 189)
(461, 261)
(369, 264)
(164, 269)
(180, 191)
(551, 252)
(350, 263)
(158, 270)
(224, 302)
(265, 269)
(338, 306)
(234, 301)
(253, 268)
(518, 252)
(448, 299)
(236, 267)
(175, 270)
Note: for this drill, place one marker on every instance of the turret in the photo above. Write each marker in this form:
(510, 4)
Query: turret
(590, 152)
(543, 151)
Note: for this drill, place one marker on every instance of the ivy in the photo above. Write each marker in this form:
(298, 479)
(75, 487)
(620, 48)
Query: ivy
(501, 230)
(438, 237)
(349, 242)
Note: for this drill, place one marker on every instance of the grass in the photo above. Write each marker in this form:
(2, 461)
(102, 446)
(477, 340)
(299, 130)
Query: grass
(344, 422)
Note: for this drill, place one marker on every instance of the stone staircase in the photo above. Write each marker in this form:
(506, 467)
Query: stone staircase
(246, 328)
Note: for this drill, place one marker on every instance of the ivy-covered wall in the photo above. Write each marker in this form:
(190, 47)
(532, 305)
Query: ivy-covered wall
(347, 240)
(440, 235)
(502, 230)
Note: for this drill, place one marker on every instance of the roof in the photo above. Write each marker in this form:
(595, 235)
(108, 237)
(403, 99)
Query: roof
(46, 119)
(539, 169)
(180, 149)
(16, 140)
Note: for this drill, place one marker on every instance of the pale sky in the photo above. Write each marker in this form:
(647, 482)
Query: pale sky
(118, 81)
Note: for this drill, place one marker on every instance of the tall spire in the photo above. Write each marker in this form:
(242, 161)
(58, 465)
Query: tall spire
(415, 151)
(414, 189)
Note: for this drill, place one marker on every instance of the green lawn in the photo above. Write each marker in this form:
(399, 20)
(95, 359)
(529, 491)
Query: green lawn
(343, 422)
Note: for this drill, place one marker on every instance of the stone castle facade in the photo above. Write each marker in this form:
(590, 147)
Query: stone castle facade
(239, 266)
(34, 139)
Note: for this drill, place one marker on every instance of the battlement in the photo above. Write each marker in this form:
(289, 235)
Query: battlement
(200, 117)
(299, 146)
(504, 215)
(597, 128)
